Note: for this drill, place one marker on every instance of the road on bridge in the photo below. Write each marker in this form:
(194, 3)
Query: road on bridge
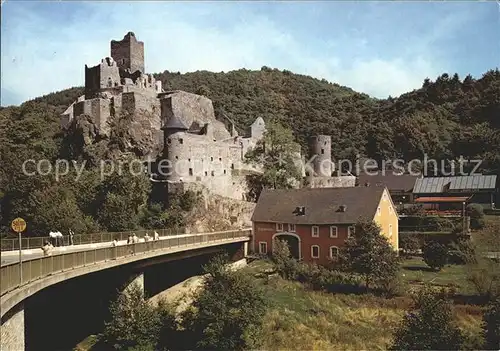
(8, 257)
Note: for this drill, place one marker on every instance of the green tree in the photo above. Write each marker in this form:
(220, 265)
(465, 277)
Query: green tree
(491, 326)
(435, 255)
(137, 325)
(476, 213)
(227, 313)
(409, 244)
(369, 254)
(428, 326)
(277, 153)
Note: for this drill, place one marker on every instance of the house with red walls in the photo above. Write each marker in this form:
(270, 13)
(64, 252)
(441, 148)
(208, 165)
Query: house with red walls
(316, 222)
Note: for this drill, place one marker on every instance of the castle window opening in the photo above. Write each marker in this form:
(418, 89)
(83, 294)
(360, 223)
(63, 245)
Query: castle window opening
(224, 171)
(189, 159)
(232, 165)
(220, 158)
(176, 157)
(110, 82)
(206, 173)
(181, 141)
(322, 151)
(116, 84)
(212, 173)
(190, 171)
(211, 158)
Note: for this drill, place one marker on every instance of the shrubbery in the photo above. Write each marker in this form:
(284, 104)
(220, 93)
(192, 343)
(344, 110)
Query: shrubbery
(476, 214)
(428, 326)
(435, 255)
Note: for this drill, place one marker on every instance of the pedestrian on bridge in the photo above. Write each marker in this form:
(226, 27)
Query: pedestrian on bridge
(71, 233)
(156, 236)
(53, 238)
(146, 237)
(135, 239)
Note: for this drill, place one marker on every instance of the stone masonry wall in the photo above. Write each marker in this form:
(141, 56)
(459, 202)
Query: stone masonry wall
(129, 53)
(12, 330)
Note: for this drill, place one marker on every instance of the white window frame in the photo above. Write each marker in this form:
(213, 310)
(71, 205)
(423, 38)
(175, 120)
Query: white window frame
(291, 227)
(279, 227)
(379, 211)
(336, 231)
(390, 209)
(390, 230)
(349, 229)
(315, 227)
(312, 251)
(337, 255)
(260, 247)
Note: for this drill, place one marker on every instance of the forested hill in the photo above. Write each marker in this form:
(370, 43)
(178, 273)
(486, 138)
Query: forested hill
(445, 118)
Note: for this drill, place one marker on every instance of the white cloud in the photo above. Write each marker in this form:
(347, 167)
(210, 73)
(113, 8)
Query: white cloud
(35, 64)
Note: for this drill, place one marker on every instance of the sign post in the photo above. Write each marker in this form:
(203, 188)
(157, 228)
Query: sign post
(19, 226)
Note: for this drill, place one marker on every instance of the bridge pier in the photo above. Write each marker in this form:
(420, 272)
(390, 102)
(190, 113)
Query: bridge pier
(136, 279)
(13, 329)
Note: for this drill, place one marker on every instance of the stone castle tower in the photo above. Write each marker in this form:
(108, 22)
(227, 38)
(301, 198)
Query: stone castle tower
(321, 147)
(128, 53)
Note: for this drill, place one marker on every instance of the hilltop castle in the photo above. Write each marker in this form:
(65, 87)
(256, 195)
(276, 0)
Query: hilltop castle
(204, 151)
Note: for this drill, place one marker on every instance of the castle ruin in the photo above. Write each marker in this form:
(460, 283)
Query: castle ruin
(203, 151)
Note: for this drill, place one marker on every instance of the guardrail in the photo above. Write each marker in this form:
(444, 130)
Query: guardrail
(42, 267)
(79, 239)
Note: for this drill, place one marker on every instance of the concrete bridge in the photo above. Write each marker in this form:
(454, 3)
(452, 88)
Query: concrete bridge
(63, 297)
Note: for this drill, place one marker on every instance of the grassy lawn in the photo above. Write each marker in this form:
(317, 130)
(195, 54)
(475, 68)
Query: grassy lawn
(300, 319)
(415, 271)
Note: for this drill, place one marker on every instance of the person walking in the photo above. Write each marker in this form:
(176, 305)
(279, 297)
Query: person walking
(71, 237)
(53, 238)
(156, 236)
(135, 239)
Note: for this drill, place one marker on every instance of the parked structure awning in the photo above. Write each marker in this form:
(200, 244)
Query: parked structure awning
(438, 199)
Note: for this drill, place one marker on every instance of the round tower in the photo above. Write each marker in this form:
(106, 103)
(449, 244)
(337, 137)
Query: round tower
(174, 149)
(321, 146)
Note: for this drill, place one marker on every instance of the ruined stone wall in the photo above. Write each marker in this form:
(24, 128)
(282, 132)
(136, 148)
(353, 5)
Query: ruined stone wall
(187, 107)
(128, 53)
(258, 128)
(104, 75)
(92, 81)
(98, 109)
(109, 75)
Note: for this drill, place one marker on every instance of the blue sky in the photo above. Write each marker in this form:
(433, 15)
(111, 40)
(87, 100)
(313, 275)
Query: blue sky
(380, 48)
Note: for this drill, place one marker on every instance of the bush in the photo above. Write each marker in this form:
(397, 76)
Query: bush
(476, 214)
(428, 326)
(135, 324)
(410, 244)
(227, 313)
(435, 255)
(491, 326)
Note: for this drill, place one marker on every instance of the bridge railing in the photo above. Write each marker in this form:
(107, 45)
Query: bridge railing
(79, 239)
(42, 267)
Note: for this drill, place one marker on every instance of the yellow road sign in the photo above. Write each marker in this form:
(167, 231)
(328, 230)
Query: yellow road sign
(18, 225)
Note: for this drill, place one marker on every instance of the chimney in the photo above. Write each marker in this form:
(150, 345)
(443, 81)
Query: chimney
(342, 208)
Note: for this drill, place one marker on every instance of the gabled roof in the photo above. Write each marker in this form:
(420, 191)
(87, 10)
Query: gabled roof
(393, 181)
(321, 205)
(442, 184)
